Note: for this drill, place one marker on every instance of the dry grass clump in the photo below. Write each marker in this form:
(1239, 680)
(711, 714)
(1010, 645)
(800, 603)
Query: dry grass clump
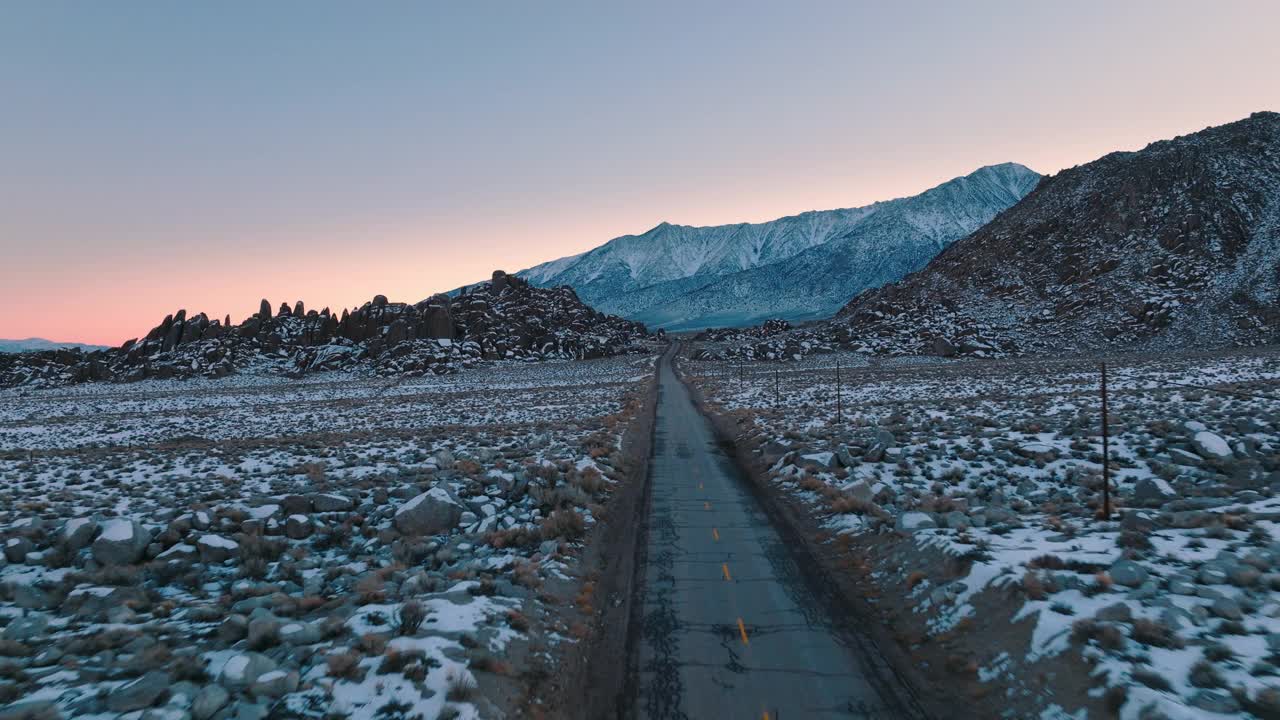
(1151, 632)
(344, 665)
(565, 523)
(409, 618)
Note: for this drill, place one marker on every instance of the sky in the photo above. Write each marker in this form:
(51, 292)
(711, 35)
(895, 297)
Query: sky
(160, 155)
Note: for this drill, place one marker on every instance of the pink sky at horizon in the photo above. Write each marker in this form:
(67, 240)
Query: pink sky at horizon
(201, 159)
(413, 262)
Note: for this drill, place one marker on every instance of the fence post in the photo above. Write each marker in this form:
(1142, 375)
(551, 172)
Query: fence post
(1106, 455)
(839, 408)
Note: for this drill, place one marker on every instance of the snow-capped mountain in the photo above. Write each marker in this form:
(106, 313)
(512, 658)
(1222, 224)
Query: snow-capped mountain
(799, 267)
(40, 344)
(1175, 246)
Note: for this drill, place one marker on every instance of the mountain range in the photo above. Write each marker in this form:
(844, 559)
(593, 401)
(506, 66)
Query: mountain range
(40, 344)
(800, 267)
(1172, 247)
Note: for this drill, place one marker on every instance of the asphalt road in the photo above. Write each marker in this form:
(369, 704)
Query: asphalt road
(730, 628)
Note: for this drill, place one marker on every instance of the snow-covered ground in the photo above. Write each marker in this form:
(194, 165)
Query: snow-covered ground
(1174, 604)
(368, 547)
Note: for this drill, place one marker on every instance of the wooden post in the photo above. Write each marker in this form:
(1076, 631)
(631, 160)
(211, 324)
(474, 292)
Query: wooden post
(1106, 455)
(839, 409)
(777, 395)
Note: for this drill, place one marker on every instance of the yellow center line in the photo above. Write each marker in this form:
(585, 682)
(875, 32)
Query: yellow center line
(766, 715)
(725, 567)
(743, 630)
(715, 534)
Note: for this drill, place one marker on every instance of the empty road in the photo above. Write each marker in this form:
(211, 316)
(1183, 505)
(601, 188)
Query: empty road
(729, 628)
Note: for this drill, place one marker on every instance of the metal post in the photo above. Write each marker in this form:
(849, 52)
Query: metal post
(1106, 455)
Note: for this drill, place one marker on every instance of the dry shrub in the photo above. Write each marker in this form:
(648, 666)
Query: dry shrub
(525, 573)
(1150, 632)
(589, 480)
(1033, 586)
(344, 665)
(517, 621)
(1106, 635)
(409, 618)
(1048, 562)
(1204, 674)
(461, 687)
(566, 523)
(372, 643)
(371, 589)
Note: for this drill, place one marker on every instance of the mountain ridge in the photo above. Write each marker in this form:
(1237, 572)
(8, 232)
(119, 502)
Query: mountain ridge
(720, 270)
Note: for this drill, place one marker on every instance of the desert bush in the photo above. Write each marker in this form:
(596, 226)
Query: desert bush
(409, 618)
(566, 523)
(461, 687)
(1157, 634)
(344, 665)
(1204, 674)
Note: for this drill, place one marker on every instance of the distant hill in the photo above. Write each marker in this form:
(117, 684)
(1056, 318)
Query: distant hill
(39, 344)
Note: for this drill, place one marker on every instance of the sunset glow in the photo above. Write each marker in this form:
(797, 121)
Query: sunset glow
(156, 158)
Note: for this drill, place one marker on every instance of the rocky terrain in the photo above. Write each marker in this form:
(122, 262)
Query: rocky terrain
(245, 548)
(801, 267)
(1175, 246)
(962, 500)
(504, 318)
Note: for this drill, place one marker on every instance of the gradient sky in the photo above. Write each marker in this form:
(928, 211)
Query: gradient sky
(162, 155)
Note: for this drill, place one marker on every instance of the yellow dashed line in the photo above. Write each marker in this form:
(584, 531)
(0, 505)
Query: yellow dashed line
(743, 630)
(725, 567)
(766, 715)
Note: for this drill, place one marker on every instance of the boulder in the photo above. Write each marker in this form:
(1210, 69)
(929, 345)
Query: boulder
(430, 513)
(77, 533)
(208, 701)
(913, 521)
(1226, 608)
(16, 549)
(1211, 446)
(1128, 573)
(216, 549)
(276, 683)
(140, 693)
(1152, 492)
(122, 542)
(298, 527)
(242, 671)
(27, 627)
(31, 710)
(329, 502)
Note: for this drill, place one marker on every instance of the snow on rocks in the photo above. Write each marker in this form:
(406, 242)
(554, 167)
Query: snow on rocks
(432, 512)
(122, 542)
(266, 544)
(980, 509)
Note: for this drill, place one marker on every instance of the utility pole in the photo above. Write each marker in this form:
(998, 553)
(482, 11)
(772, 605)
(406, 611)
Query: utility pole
(777, 396)
(1106, 455)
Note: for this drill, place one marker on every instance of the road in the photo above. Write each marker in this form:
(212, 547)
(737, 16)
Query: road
(729, 628)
